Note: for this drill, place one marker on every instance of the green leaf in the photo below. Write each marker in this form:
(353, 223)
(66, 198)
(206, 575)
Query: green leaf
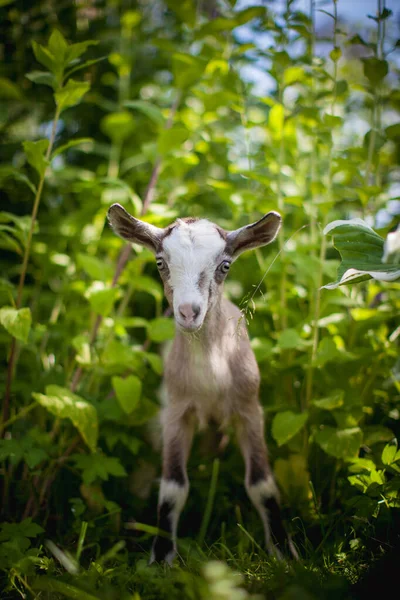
(96, 268)
(42, 77)
(361, 250)
(147, 108)
(58, 47)
(290, 339)
(44, 56)
(54, 587)
(389, 454)
(373, 434)
(276, 119)
(155, 362)
(172, 139)
(128, 392)
(98, 466)
(72, 144)
(118, 126)
(62, 403)
(187, 69)
(101, 299)
(9, 171)
(335, 54)
(16, 322)
(71, 94)
(375, 70)
(334, 400)
(161, 329)
(340, 443)
(144, 283)
(84, 65)
(9, 90)
(286, 424)
(35, 155)
(293, 75)
(74, 51)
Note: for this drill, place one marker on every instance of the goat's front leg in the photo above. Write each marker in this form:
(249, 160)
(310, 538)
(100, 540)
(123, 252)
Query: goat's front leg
(260, 483)
(177, 439)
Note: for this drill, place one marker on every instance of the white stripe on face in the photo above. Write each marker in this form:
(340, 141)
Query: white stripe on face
(192, 250)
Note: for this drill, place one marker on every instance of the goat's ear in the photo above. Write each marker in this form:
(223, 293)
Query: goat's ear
(251, 236)
(134, 230)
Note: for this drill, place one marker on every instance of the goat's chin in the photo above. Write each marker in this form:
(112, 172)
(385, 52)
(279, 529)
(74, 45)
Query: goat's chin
(188, 329)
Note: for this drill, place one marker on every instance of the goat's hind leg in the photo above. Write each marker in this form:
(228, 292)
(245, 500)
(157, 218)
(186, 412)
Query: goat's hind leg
(260, 483)
(174, 488)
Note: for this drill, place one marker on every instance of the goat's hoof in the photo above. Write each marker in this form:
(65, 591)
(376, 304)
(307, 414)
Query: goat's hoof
(163, 550)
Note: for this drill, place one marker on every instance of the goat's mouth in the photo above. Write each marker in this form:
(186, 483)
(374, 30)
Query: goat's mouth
(188, 327)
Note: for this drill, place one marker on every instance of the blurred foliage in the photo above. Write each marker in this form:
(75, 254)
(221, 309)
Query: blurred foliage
(149, 104)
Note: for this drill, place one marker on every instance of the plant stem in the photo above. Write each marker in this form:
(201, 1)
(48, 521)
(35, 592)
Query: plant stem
(210, 501)
(13, 349)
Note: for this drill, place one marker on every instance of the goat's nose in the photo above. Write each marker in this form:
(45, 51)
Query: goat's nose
(189, 312)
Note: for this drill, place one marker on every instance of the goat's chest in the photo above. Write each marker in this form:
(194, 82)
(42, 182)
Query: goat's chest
(204, 382)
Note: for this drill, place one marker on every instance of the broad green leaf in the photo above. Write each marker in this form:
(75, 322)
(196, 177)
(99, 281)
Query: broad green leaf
(161, 329)
(143, 283)
(128, 392)
(35, 155)
(96, 268)
(340, 443)
(42, 77)
(118, 126)
(172, 139)
(58, 46)
(334, 400)
(83, 65)
(185, 10)
(290, 339)
(187, 69)
(147, 108)
(286, 424)
(102, 299)
(16, 322)
(72, 144)
(293, 75)
(375, 70)
(155, 362)
(119, 357)
(262, 347)
(389, 454)
(361, 250)
(373, 434)
(71, 94)
(62, 403)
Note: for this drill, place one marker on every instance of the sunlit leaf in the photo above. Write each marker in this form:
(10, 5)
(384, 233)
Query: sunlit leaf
(101, 298)
(161, 329)
(72, 144)
(96, 268)
(16, 322)
(62, 403)
(128, 392)
(71, 93)
(361, 250)
(147, 108)
(340, 443)
(286, 424)
(35, 154)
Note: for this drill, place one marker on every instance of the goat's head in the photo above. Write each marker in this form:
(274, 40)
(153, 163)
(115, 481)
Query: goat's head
(193, 257)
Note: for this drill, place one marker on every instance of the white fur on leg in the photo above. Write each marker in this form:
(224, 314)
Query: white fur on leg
(265, 488)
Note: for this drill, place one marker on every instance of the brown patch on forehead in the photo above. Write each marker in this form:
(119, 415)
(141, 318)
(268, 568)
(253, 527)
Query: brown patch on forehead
(202, 280)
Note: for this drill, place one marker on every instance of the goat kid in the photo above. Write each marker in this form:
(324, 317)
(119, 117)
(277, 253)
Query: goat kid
(211, 372)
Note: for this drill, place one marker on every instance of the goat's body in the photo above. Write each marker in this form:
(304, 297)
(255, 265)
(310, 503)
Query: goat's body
(211, 372)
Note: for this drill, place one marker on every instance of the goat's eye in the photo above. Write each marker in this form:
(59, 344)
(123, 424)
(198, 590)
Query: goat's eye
(225, 266)
(160, 262)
